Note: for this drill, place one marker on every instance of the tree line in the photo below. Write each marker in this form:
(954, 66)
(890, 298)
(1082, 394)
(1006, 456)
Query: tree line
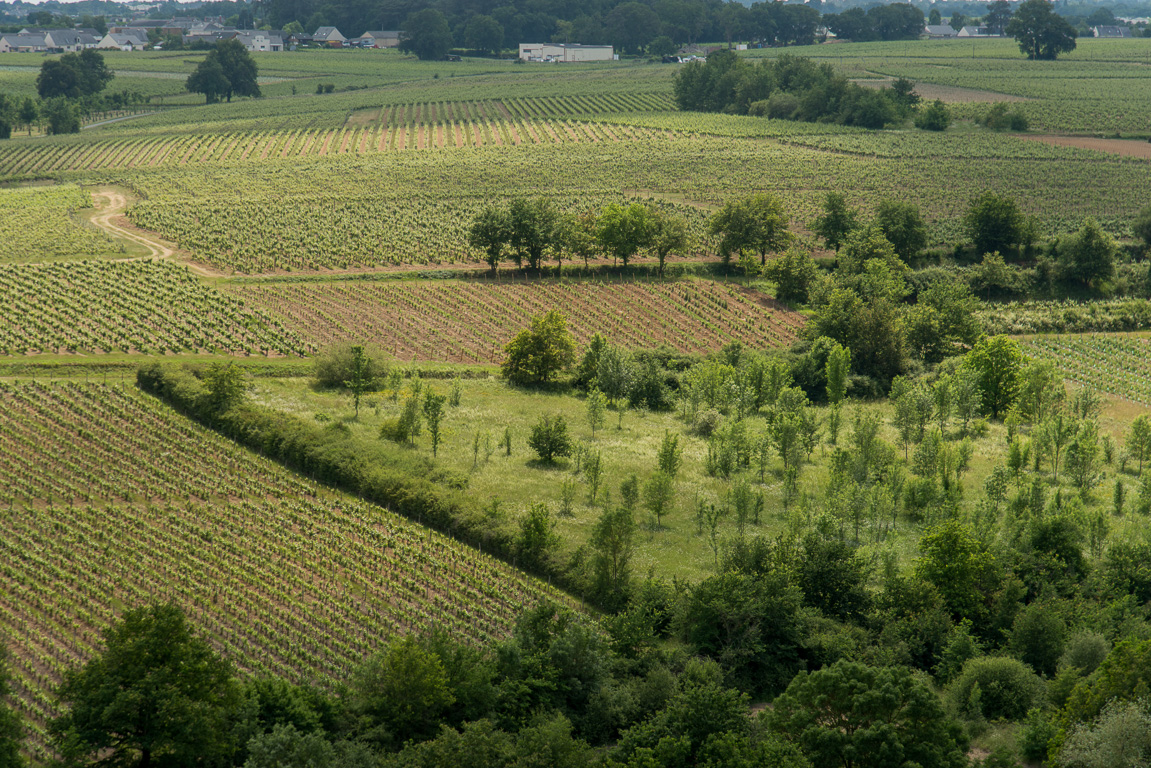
(70, 88)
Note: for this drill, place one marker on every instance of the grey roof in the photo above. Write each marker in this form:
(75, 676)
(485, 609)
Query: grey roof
(1112, 31)
(381, 33)
(326, 32)
(940, 30)
(27, 39)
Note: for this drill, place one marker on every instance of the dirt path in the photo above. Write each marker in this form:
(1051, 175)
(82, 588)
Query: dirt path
(110, 204)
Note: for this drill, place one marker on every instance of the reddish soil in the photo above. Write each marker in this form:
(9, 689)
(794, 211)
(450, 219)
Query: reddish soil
(1124, 147)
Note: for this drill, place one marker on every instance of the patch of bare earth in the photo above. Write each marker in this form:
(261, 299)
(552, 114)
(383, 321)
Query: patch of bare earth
(1124, 147)
(949, 94)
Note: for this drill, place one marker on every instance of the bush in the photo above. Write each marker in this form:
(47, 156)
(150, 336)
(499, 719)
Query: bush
(707, 422)
(997, 118)
(332, 367)
(1037, 637)
(549, 438)
(935, 118)
(996, 688)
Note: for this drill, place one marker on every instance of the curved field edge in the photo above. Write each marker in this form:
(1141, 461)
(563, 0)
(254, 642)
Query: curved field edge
(281, 576)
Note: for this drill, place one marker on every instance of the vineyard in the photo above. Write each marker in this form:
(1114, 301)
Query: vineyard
(461, 321)
(38, 223)
(1120, 364)
(131, 306)
(281, 578)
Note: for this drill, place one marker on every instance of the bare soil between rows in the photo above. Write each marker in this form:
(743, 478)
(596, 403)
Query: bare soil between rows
(1123, 147)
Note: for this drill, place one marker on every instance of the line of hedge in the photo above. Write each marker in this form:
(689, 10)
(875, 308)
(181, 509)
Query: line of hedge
(378, 471)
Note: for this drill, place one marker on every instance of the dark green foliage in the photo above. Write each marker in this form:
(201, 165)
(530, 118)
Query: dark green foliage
(942, 322)
(903, 226)
(156, 692)
(334, 366)
(228, 70)
(751, 625)
(1040, 31)
(936, 117)
(1142, 226)
(998, 363)
(853, 714)
(540, 352)
(960, 567)
(995, 224)
(73, 75)
(401, 693)
(491, 232)
(426, 34)
(836, 222)
(537, 538)
(483, 33)
(833, 577)
(1087, 257)
(997, 118)
(1038, 637)
(793, 274)
(11, 728)
(549, 438)
(60, 116)
(757, 224)
(612, 541)
(725, 83)
(1125, 675)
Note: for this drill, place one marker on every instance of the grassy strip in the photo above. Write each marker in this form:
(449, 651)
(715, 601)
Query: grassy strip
(375, 470)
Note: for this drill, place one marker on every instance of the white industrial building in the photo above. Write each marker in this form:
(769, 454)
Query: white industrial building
(557, 52)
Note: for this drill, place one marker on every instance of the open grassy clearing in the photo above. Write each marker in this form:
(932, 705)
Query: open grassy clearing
(679, 548)
(464, 321)
(285, 578)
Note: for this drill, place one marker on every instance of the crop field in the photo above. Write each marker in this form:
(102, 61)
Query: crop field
(283, 579)
(462, 321)
(127, 306)
(260, 217)
(1115, 363)
(36, 159)
(41, 223)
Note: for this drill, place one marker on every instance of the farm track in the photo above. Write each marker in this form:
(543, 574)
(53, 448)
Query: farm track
(112, 204)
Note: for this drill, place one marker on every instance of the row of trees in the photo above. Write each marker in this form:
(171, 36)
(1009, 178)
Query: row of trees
(528, 231)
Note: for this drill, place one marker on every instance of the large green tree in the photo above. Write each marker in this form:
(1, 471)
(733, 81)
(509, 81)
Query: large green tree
(1088, 257)
(426, 34)
(157, 694)
(836, 222)
(400, 693)
(624, 230)
(998, 363)
(483, 33)
(851, 714)
(73, 75)
(538, 353)
(756, 223)
(903, 226)
(533, 227)
(228, 70)
(995, 223)
(1040, 32)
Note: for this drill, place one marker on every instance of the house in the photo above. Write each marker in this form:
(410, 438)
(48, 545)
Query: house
(940, 31)
(122, 41)
(565, 52)
(256, 40)
(69, 41)
(329, 35)
(1111, 31)
(378, 39)
(24, 42)
(977, 32)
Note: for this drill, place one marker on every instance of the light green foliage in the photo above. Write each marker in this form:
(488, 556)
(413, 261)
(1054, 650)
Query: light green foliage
(624, 230)
(225, 385)
(434, 409)
(836, 222)
(549, 438)
(670, 456)
(596, 409)
(40, 223)
(1120, 737)
(613, 542)
(666, 233)
(537, 537)
(400, 692)
(659, 495)
(540, 352)
(793, 273)
(936, 117)
(960, 566)
(997, 361)
(757, 224)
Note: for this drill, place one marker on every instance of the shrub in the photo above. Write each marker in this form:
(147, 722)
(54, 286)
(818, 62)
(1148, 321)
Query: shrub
(333, 366)
(549, 438)
(996, 687)
(935, 118)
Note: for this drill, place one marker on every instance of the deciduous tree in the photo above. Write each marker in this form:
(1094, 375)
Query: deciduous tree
(1040, 32)
(540, 352)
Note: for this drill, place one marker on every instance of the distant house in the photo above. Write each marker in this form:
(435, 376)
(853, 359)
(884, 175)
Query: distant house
(329, 35)
(977, 32)
(69, 41)
(378, 39)
(24, 42)
(260, 41)
(122, 41)
(1111, 31)
(562, 52)
(940, 31)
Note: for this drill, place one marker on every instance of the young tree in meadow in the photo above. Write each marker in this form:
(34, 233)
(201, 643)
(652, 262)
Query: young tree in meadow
(537, 537)
(838, 370)
(491, 233)
(540, 352)
(624, 231)
(549, 438)
(615, 375)
(756, 223)
(667, 232)
(837, 221)
(669, 458)
(997, 362)
(360, 376)
(659, 495)
(1139, 440)
(596, 410)
(613, 541)
(435, 406)
(156, 692)
(11, 729)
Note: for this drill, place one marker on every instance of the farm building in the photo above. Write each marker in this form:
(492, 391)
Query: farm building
(1111, 31)
(329, 35)
(940, 31)
(378, 39)
(565, 52)
(977, 32)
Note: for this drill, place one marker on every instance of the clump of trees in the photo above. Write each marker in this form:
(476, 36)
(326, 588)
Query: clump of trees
(228, 70)
(787, 87)
(1040, 31)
